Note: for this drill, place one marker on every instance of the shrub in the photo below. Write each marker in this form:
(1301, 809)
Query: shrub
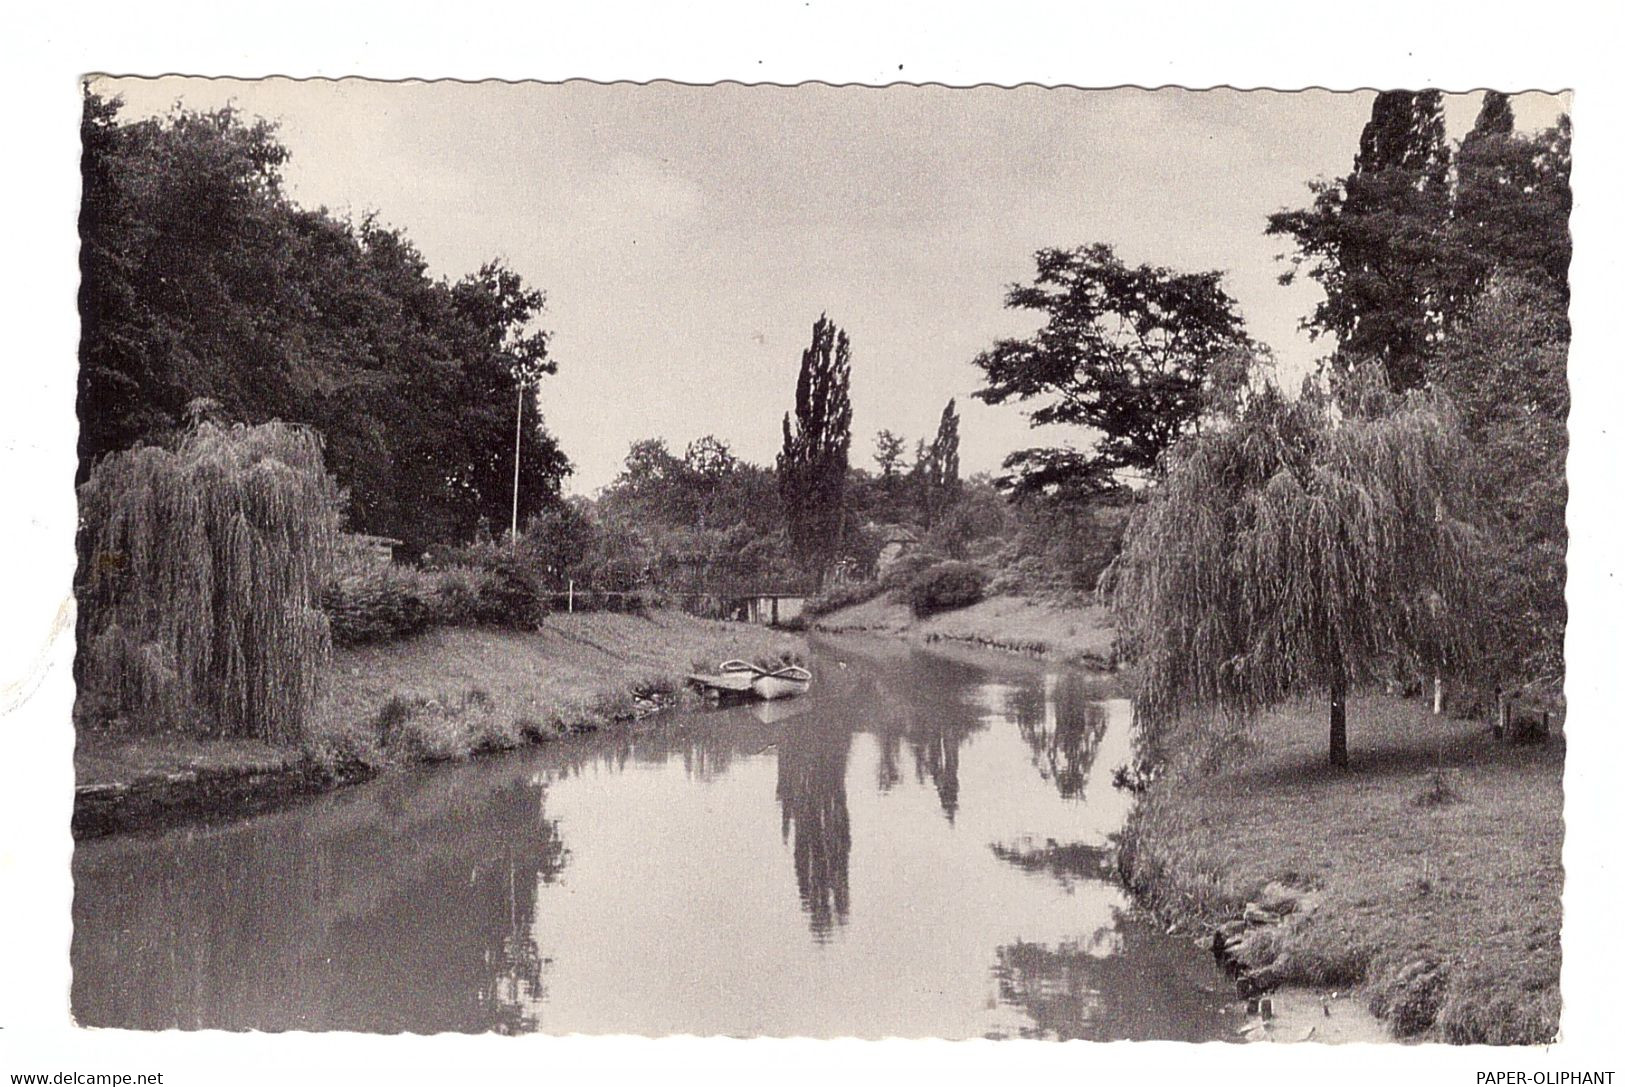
(634, 602)
(380, 605)
(391, 602)
(458, 595)
(339, 752)
(944, 586)
(513, 592)
(416, 728)
(901, 573)
(841, 595)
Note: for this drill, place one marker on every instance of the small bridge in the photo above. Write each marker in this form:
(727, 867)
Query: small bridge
(770, 607)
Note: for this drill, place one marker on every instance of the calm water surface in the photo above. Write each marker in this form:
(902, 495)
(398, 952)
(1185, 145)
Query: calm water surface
(917, 848)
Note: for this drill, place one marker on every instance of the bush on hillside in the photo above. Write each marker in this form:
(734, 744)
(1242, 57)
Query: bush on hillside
(513, 592)
(379, 605)
(898, 576)
(391, 602)
(945, 586)
(840, 595)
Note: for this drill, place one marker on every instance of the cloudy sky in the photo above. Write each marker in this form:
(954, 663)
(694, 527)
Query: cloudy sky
(688, 237)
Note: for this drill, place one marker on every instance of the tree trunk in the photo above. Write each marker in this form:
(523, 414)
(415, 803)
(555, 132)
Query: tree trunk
(1340, 731)
(1438, 694)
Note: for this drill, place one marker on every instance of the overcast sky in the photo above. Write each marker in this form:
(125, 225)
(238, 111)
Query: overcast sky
(688, 237)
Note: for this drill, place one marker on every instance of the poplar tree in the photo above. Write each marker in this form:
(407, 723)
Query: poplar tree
(939, 468)
(1375, 241)
(813, 462)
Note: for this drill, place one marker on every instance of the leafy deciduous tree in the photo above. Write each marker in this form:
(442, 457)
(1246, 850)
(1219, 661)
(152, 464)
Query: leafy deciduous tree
(1511, 213)
(200, 278)
(201, 570)
(889, 460)
(1506, 372)
(1401, 249)
(1124, 351)
(1374, 241)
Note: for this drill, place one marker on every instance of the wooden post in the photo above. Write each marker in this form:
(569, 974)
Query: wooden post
(571, 598)
(1438, 694)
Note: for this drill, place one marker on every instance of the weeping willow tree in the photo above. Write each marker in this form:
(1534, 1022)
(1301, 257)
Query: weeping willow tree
(1300, 550)
(201, 569)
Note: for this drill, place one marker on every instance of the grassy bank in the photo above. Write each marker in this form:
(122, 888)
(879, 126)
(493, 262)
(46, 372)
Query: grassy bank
(1075, 633)
(446, 694)
(1428, 874)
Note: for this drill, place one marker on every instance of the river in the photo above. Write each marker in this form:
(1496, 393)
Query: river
(920, 847)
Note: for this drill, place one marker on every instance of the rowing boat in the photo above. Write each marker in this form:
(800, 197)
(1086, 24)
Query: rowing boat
(743, 677)
(783, 683)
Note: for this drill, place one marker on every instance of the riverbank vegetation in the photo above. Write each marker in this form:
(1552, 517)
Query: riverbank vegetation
(259, 380)
(1430, 868)
(201, 582)
(452, 692)
(1308, 546)
(202, 278)
(1401, 523)
(1060, 630)
(447, 693)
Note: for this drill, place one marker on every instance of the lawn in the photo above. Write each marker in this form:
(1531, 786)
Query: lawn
(445, 694)
(455, 691)
(1068, 632)
(1435, 858)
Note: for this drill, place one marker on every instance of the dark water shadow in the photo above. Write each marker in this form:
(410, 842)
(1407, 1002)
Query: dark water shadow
(406, 907)
(1131, 984)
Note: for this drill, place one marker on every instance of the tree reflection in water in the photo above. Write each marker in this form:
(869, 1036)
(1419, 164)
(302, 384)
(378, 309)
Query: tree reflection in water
(887, 773)
(1149, 987)
(1069, 865)
(922, 707)
(936, 755)
(812, 803)
(705, 749)
(409, 907)
(1062, 722)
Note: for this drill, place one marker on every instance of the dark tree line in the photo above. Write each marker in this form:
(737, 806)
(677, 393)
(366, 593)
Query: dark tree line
(202, 280)
(1406, 242)
(702, 520)
(1449, 267)
(1407, 514)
